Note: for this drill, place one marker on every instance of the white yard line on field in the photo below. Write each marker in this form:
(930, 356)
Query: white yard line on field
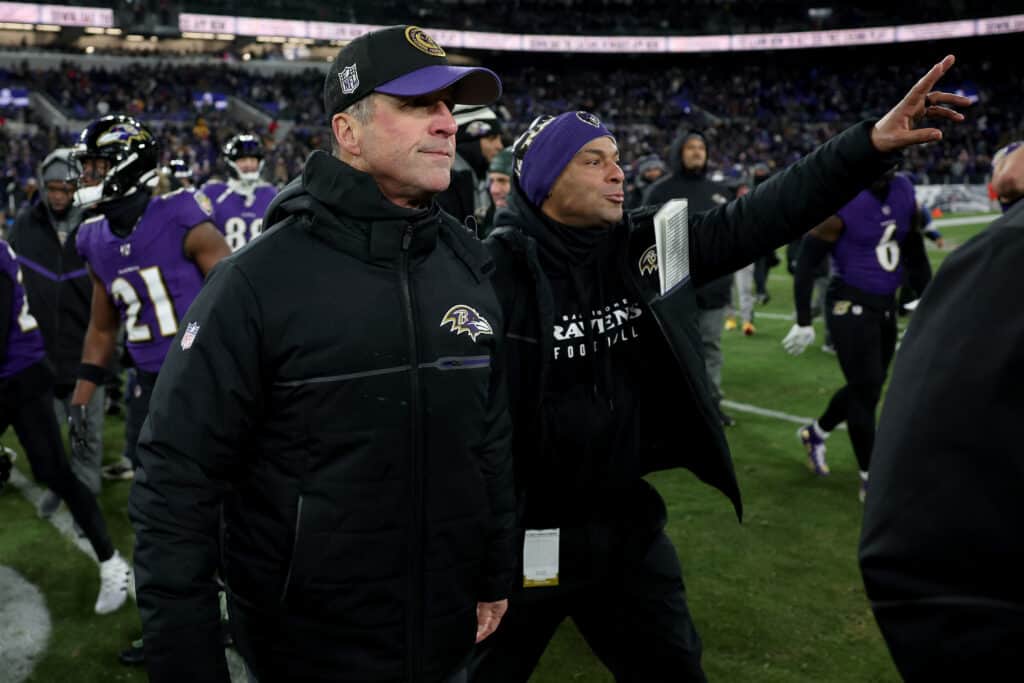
(62, 521)
(24, 626)
(765, 412)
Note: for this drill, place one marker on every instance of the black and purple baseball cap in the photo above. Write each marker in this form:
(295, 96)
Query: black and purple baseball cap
(403, 61)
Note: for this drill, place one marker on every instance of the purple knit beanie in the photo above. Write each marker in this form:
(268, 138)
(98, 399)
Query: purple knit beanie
(542, 152)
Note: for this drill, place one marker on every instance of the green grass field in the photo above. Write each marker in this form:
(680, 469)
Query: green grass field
(776, 599)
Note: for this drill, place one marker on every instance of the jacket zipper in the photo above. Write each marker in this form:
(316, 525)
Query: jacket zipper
(415, 618)
(295, 549)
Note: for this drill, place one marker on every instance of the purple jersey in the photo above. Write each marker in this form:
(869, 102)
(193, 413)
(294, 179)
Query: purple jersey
(867, 255)
(24, 342)
(239, 215)
(146, 274)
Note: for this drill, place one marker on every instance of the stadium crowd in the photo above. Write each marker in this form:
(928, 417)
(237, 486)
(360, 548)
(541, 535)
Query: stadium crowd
(752, 111)
(617, 17)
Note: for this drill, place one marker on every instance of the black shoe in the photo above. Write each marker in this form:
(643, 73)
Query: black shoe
(133, 655)
(726, 419)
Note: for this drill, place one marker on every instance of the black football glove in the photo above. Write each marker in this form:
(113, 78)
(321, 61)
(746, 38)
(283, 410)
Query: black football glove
(78, 428)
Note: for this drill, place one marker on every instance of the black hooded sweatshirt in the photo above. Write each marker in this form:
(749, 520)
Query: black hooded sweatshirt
(702, 194)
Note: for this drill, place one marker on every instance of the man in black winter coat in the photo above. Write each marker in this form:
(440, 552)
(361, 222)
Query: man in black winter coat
(59, 291)
(941, 551)
(334, 404)
(477, 142)
(689, 180)
(607, 380)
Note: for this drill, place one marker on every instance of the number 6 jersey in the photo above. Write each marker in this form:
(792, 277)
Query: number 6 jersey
(867, 255)
(147, 275)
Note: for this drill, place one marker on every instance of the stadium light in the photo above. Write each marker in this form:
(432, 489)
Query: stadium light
(90, 49)
(48, 28)
(225, 36)
(112, 31)
(197, 36)
(131, 38)
(93, 30)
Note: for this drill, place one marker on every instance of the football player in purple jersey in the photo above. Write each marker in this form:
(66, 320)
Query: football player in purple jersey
(872, 240)
(147, 257)
(26, 403)
(239, 204)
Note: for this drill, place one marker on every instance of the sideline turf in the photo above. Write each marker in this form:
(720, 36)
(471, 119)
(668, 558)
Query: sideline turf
(776, 599)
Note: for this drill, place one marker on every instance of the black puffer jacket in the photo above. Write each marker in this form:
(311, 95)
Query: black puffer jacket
(940, 549)
(58, 287)
(340, 394)
(702, 194)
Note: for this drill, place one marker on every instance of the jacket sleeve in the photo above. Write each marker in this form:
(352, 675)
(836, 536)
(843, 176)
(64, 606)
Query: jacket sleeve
(495, 459)
(915, 260)
(208, 397)
(786, 206)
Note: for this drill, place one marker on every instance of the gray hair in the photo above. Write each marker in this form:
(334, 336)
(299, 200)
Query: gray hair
(361, 111)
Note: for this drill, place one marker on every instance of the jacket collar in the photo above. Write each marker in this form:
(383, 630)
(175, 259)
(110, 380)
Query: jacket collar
(345, 208)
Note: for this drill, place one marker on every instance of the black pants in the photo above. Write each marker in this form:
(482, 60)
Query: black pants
(865, 339)
(140, 389)
(634, 617)
(36, 425)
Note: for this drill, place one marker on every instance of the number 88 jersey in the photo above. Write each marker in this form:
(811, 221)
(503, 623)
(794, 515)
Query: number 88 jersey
(239, 214)
(147, 275)
(867, 254)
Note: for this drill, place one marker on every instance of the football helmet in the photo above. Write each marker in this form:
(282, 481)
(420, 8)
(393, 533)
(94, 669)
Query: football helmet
(130, 149)
(243, 146)
(179, 169)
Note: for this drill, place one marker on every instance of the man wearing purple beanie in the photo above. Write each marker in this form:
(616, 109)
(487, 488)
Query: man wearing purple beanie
(606, 379)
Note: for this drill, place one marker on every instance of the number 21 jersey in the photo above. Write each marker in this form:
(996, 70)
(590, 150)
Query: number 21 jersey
(147, 274)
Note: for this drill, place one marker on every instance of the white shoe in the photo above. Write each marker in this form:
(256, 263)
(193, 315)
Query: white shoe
(115, 583)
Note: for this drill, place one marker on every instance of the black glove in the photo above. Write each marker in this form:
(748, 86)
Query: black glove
(78, 428)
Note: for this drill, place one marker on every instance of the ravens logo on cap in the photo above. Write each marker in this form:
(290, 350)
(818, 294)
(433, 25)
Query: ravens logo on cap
(419, 39)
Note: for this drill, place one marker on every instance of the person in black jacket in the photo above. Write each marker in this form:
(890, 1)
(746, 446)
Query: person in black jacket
(26, 404)
(607, 380)
(688, 156)
(334, 402)
(59, 291)
(477, 142)
(940, 548)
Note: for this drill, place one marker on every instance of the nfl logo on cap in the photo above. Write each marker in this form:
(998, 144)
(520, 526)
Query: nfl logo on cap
(190, 336)
(349, 77)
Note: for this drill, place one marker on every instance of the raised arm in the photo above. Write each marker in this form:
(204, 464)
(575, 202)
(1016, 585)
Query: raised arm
(809, 191)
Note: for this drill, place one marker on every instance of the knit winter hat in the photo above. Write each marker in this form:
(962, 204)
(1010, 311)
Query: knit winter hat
(548, 145)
